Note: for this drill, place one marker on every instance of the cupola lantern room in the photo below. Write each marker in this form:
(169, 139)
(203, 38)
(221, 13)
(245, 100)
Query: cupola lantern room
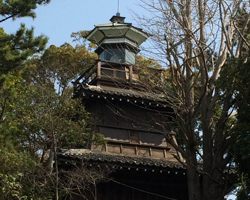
(117, 41)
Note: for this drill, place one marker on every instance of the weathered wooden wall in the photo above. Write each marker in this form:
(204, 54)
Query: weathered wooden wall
(132, 129)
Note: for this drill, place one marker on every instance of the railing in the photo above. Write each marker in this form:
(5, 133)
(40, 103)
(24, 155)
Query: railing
(107, 69)
(122, 71)
(134, 149)
(114, 73)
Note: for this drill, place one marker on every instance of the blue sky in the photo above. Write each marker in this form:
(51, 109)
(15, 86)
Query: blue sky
(62, 17)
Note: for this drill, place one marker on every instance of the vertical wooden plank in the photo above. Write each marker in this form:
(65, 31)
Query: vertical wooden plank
(136, 150)
(98, 69)
(162, 76)
(165, 153)
(121, 148)
(106, 147)
(130, 73)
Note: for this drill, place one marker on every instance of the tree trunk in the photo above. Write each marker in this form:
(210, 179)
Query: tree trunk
(195, 58)
(193, 182)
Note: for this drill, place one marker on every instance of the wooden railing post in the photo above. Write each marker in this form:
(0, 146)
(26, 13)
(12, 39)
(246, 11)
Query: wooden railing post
(130, 73)
(98, 69)
(162, 76)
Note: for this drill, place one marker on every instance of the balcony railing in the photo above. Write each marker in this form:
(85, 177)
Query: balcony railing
(103, 69)
(106, 69)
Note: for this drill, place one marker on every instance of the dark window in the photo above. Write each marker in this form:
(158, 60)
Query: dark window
(113, 55)
(151, 139)
(114, 134)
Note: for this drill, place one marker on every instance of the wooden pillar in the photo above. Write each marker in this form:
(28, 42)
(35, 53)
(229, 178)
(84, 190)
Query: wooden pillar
(150, 152)
(98, 69)
(162, 76)
(165, 153)
(136, 150)
(106, 147)
(121, 149)
(130, 73)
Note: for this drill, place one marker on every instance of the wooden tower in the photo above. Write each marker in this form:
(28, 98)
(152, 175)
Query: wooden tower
(133, 119)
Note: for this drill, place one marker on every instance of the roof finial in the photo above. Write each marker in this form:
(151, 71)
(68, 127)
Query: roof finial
(118, 6)
(117, 18)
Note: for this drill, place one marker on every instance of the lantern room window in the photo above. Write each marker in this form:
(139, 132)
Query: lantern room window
(113, 55)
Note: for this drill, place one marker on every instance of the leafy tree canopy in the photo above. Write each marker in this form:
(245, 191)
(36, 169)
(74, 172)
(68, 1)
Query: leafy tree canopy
(40, 118)
(19, 8)
(37, 114)
(236, 76)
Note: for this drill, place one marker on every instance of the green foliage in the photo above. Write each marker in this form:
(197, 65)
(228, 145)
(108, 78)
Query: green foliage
(241, 148)
(235, 77)
(59, 65)
(243, 190)
(40, 113)
(151, 73)
(19, 8)
(15, 160)
(16, 48)
(147, 62)
(37, 112)
(38, 116)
